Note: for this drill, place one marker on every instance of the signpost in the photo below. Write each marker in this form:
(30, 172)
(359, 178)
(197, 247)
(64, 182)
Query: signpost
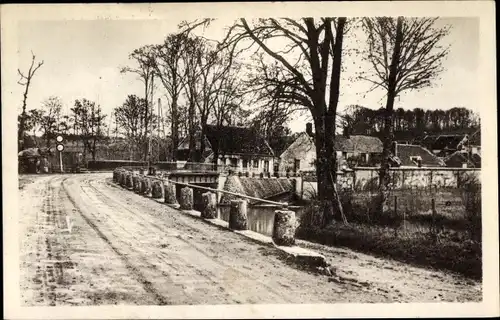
(60, 148)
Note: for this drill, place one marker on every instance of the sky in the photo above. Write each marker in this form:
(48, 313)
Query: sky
(82, 59)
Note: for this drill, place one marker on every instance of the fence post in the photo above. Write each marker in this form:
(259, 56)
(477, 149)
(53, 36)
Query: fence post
(238, 215)
(433, 227)
(396, 214)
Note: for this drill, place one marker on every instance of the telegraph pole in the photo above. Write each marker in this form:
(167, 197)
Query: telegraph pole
(151, 125)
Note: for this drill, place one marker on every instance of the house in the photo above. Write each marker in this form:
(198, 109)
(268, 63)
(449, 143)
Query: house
(350, 150)
(445, 144)
(412, 155)
(241, 148)
(473, 144)
(463, 159)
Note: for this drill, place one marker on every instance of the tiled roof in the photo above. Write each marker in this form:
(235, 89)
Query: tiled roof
(366, 144)
(405, 151)
(237, 140)
(458, 158)
(475, 138)
(445, 141)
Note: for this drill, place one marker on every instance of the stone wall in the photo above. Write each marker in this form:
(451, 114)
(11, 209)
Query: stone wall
(365, 179)
(403, 178)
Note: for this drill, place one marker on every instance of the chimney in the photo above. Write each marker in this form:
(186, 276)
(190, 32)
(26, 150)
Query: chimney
(309, 130)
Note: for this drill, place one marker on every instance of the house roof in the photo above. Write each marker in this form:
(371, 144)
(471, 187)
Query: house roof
(475, 138)
(444, 141)
(237, 140)
(405, 151)
(456, 159)
(366, 144)
(358, 143)
(355, 143)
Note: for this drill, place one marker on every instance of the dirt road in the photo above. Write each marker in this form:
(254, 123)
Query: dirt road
(85, 241)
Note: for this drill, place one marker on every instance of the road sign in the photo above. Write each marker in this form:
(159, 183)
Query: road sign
(60, 147)
(59, 138)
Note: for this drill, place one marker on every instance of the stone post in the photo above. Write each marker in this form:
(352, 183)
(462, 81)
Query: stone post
(137, 183)
(169, 190)
(238, 215)
(146, 186)
(130, 181)
(186, 200)
(209, 205)
(157, 190)
(284, 228)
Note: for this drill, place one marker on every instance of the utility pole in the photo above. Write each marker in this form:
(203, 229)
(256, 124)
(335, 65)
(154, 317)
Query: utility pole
(150, 127)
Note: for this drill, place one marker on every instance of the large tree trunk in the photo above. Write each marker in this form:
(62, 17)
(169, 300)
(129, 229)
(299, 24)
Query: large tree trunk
(388, 112)
(202, 140)
(325, 170)
(191, 132)
(175, 129)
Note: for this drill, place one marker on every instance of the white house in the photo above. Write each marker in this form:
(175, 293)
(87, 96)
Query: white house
(351, 150)
(238, 147)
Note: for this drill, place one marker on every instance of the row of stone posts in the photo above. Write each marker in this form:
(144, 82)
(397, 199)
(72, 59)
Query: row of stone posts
(284, 220)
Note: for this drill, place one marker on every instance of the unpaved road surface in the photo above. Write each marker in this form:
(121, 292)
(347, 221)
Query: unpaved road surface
(123, 248)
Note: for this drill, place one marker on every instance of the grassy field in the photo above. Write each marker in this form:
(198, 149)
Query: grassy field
(409, 230)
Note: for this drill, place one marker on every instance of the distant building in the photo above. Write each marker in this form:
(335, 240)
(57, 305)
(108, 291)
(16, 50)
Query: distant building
(241, 148)
(473, 144)
(411, 155)
(463, 159)
(351, 150)
(445, 144)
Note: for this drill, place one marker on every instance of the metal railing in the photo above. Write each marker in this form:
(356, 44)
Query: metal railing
(239, 195)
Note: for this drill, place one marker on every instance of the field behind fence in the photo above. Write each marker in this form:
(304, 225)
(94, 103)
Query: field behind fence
(437, 226)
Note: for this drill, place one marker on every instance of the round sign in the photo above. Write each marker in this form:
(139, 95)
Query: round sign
(60, 147)
(59, 138)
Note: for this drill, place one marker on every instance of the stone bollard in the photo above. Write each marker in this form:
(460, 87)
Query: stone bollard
(146, 186)
(137, 183)
(284, 228)
(169, 190)
(186, 200)
(157, 190)
(122, 179)
(209, 205)
(238, 215)
(130, 181)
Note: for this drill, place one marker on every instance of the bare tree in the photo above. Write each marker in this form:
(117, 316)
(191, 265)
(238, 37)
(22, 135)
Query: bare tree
(49, 121)
(312, 61)
(144, 59)
(169, 70)
(405, 54)
(90, 121)
(130, 117)
(25, 81)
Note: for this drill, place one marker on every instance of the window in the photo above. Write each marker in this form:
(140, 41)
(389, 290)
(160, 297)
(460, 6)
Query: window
(296, 165)
(234, 162)
(245, 163)
(256, 163)
(266, 166)
(344, 155)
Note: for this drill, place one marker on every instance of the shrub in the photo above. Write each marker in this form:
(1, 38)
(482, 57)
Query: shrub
(471, 199)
